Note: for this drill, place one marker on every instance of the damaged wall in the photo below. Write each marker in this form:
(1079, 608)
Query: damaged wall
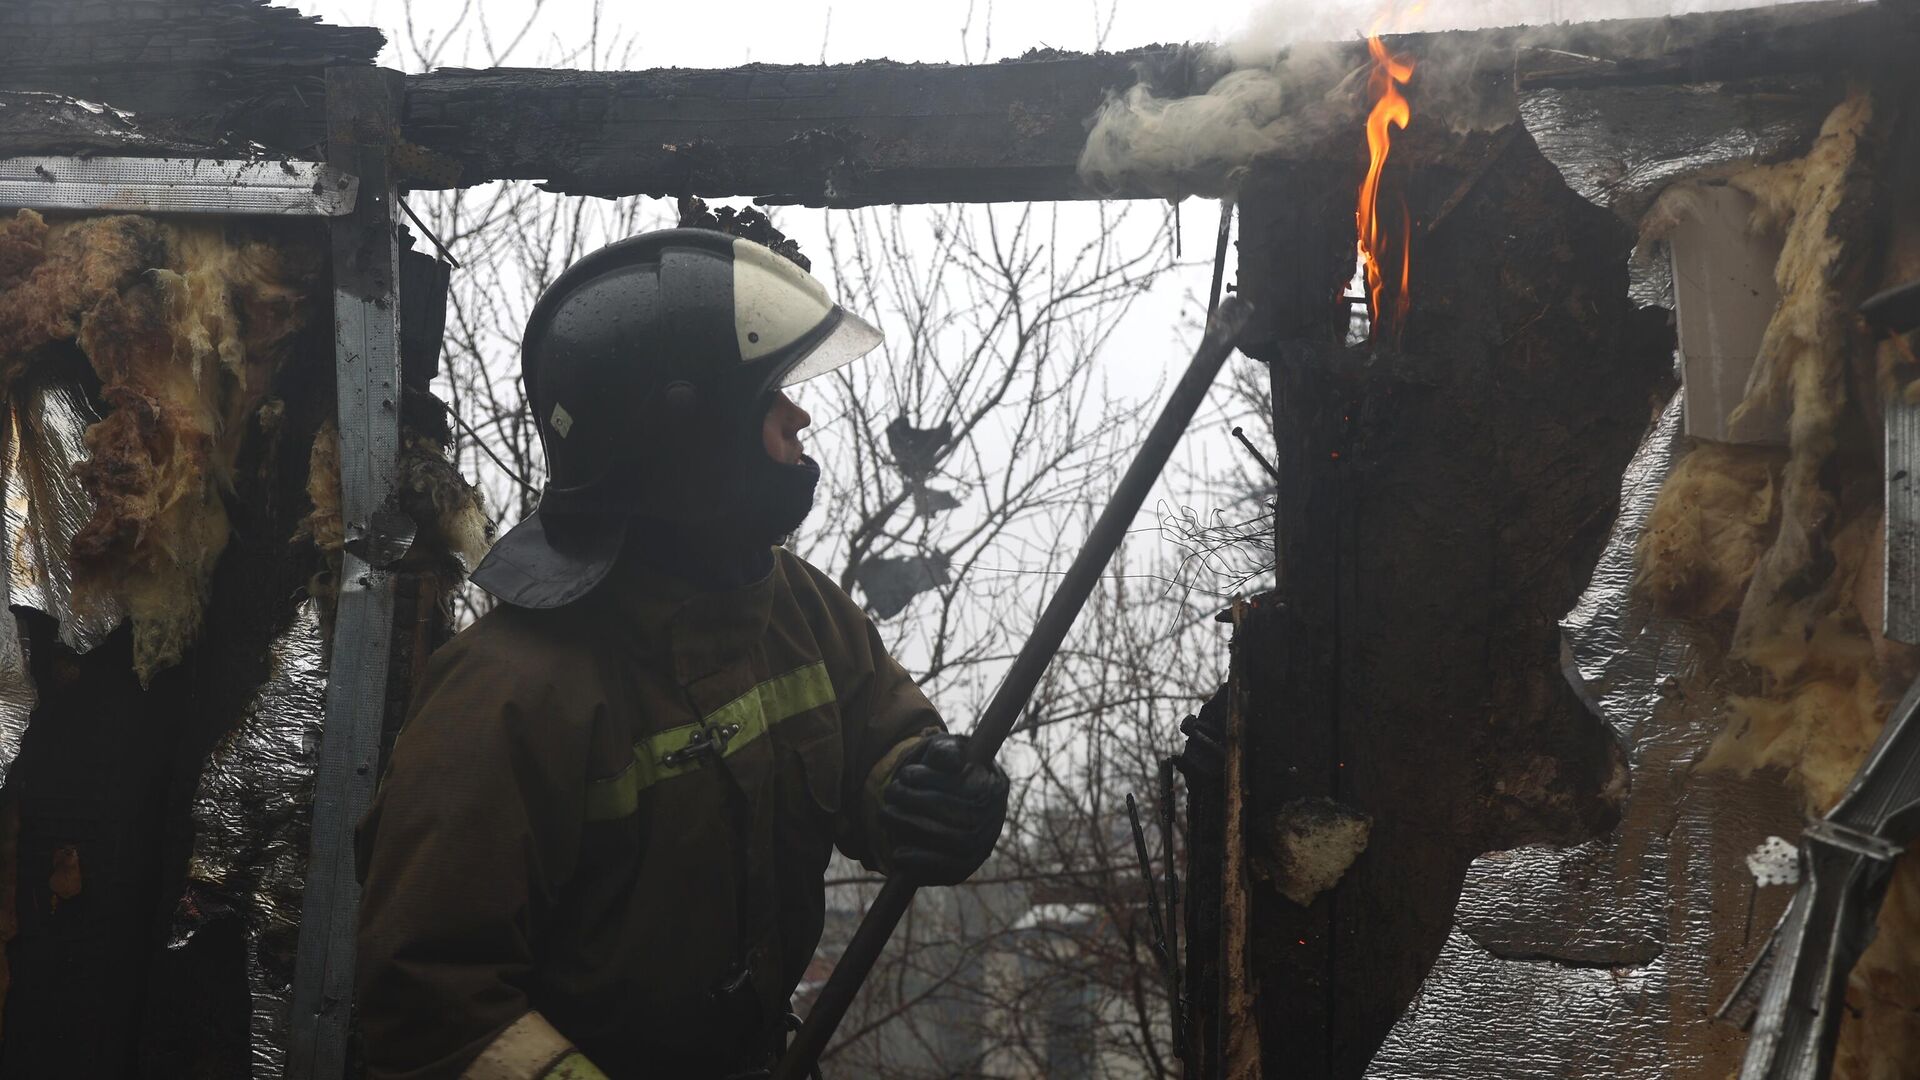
(183, 326)
(1800, 636)
(170, 388)
(1730, 636)
(1441, 505)
(199, 372)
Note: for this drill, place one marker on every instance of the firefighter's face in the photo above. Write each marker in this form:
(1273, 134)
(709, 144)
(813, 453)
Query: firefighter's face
(780, 432)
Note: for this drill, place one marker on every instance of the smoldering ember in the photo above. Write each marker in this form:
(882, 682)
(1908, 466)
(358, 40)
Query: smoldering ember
(1564, 722)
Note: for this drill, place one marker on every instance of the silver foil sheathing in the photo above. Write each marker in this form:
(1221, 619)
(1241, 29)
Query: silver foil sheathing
(1605, 958)
(251, 818)
(40, 443)
(1620, 146)
(46, 506)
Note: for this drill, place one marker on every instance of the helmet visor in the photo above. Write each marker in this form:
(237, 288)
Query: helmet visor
(850, 338)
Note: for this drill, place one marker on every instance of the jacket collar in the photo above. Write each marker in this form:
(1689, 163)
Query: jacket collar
(661, 614)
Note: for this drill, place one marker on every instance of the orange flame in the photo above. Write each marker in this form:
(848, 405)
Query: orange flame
(1390, 106)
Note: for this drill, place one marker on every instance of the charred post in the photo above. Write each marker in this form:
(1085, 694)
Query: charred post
(1296, 254)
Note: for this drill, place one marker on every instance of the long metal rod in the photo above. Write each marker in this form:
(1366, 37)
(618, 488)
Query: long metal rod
(996, 723)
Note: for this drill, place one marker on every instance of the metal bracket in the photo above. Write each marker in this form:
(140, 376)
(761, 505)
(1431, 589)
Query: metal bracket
(1902, 617)
(178, 186)
(1889, 313)
(1866, 845)
(1793, 994)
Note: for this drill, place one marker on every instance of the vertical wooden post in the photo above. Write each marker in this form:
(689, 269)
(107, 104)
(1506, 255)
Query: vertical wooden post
(1290, 677)
(1240, 1032)
(363, 109)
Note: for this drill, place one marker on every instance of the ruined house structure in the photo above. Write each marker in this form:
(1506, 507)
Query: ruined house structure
(1598, 550)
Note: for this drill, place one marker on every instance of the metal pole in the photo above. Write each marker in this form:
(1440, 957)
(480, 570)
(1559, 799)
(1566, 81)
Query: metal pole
(997, 722)
(363, 106)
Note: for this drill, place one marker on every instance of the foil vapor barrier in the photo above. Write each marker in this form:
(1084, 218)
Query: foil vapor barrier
(1605, 958)
(251, 816)
(1609, 150)
(18, 695)
(46, 422)
(46, 506)
(1620, 146)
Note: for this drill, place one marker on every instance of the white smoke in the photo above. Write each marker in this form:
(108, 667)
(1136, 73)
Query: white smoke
(1177, 146)
(1295, 75)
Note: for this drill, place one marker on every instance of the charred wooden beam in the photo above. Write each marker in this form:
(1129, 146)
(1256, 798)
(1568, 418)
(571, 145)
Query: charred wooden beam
(37, 124)
(843, 135)
(835, 135)
(215, 68)
(1717, 46)
(881, 132)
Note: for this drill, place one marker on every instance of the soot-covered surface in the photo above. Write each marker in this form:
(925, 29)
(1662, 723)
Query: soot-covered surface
(1444, 505)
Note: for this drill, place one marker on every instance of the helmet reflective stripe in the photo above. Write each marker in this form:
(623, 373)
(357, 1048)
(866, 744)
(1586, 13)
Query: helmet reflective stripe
(775, 303)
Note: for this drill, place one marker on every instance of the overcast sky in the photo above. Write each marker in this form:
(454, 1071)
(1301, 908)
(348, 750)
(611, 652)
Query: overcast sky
(952, 31)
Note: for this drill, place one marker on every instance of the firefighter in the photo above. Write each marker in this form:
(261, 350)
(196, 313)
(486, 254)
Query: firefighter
(599, 845)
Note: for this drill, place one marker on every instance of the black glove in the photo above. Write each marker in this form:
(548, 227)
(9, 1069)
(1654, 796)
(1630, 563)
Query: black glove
(941, 815)
(1205, 756)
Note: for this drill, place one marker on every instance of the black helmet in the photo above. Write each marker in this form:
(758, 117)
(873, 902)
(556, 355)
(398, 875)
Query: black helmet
(649, 365)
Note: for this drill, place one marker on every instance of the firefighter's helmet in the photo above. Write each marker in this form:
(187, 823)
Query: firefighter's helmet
(649, 366)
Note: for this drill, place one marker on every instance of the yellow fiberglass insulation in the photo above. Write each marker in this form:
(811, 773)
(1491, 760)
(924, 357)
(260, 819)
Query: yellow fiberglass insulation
(1709, 527)
(1803, 359)
(449, 513)
(184, 323)
(1792, 542)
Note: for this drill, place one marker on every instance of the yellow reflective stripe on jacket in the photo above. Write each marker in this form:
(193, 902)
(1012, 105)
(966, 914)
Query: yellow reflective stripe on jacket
(530, 1049)
(664, 754)
(574, 1066)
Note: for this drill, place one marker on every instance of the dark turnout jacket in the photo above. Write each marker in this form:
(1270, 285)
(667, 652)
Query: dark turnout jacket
(597, 818)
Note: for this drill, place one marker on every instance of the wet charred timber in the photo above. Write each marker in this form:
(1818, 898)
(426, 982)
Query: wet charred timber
(882, 132)
(203, 74)
(1742, 45)
(841, 135)
(216, 71)
(1440, 506)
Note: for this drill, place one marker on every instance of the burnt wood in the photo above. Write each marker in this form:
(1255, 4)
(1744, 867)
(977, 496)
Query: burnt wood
(1296, 253)
(1441, 504)
(218, 70)
(881, 132)
(223, 73)
(842, 135)
(1717, 47)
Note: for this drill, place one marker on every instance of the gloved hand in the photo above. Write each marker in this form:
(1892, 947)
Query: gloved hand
(941, 815)
(1205, 756)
